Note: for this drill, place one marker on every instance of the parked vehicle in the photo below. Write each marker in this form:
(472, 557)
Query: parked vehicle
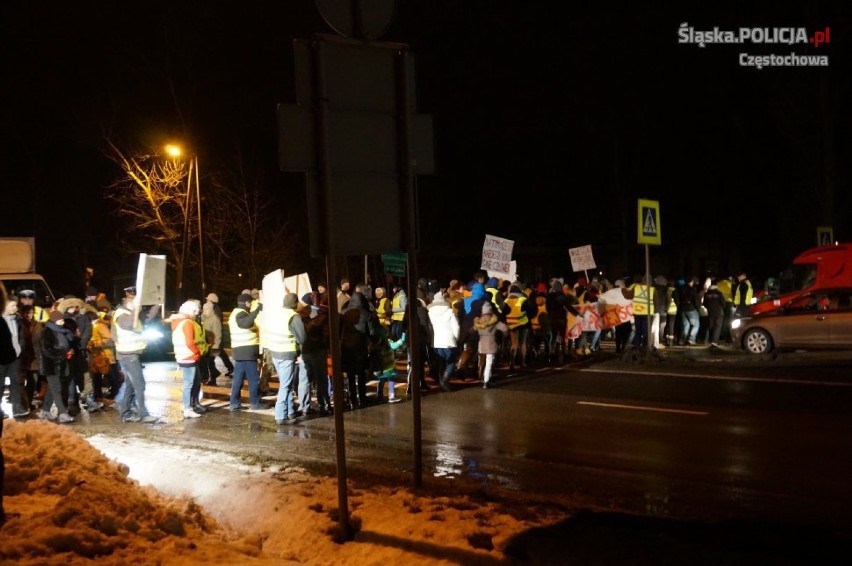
(18, 269)
(815, 319)
(823, 267)
(157, 335)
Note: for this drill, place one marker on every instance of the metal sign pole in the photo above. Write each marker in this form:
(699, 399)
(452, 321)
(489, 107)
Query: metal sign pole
(650, 342)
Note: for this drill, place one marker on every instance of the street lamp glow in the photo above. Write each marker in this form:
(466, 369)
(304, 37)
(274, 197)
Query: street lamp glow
(173, 150)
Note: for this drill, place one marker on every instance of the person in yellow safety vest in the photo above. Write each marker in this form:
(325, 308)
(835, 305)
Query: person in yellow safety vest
(643, 305)
(519, 311)
(455, 296)
(494, 294)
(540, 323)
(129, 345)
(743, 295)
(245, 349)
(27, 298)
(671, 315)
(283, 337)
(399, 305)
(726, 286)
(383, 308)
(185, 334)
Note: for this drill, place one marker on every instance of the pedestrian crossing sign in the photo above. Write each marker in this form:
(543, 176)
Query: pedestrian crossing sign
(649, 222)
(825, 235)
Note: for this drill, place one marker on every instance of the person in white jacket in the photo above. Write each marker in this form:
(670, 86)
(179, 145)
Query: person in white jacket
(445, 329)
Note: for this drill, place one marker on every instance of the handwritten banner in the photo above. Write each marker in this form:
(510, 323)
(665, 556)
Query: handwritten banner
(609, 311)
(497, 254)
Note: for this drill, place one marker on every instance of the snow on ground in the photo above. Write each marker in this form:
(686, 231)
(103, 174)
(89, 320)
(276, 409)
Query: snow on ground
(108, 500)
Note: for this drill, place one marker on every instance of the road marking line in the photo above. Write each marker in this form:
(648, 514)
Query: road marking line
(719, 377)
(641, 408)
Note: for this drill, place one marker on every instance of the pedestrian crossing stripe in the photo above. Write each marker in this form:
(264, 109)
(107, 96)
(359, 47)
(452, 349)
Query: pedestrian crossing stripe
(649, 222)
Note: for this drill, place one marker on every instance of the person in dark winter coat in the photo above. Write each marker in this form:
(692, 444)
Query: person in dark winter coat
(56, 348)
(357, 325)
(426, 335)
(315, 348)
(714, 301)
(658, 325)
(3, 358)
(12, 347)
(688, 301)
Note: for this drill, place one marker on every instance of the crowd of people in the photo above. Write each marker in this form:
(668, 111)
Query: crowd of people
(79, 352)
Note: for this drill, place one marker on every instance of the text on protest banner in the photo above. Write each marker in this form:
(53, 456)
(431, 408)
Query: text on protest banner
(581, 258)
(497, 254)
(610, 310)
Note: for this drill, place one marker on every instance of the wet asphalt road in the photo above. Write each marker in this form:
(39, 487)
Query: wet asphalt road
(697, 434)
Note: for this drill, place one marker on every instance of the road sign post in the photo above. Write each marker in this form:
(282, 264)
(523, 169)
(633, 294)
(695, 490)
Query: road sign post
(649, 234)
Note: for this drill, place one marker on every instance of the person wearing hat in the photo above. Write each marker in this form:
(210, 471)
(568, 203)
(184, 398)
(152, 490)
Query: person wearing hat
(487, 325)
(245, 348)
(212, 325)
(315, 348)
(102, 350)
(190, 344)
(343, 294)
(283, 337)
(445, 332)
(79, 315)
(383, 308)
(519, 311)
(92, 296)
(129, 345)
(223, 342)
(714, 301)
(55, 349)
(743, 293)
(399, 304)
(356, 327)
(385, 371)
(26, 298)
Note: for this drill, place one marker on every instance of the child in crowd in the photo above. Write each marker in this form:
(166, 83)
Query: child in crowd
(488, 325)
(387, 367)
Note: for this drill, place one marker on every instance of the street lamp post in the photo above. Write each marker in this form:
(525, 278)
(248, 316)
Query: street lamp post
(200, 232)
(193, 175)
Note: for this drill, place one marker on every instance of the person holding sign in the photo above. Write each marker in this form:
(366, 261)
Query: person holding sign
(129, 345)
(245, 347)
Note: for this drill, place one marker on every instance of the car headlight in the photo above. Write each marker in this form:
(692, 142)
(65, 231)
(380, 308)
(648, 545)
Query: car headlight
(152, 334)
(737, 322)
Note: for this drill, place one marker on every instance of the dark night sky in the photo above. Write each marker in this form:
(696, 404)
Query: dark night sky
(550, 123)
